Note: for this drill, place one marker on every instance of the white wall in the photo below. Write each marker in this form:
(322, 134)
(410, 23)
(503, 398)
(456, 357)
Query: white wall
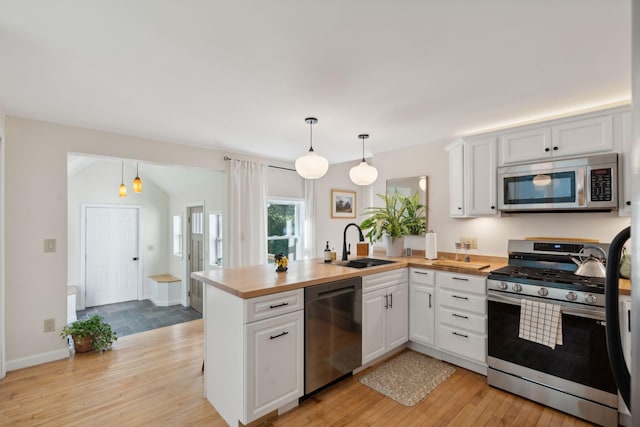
(2, 293)
(98, 183)
(492, 233)
(36, 209)
(332, 229)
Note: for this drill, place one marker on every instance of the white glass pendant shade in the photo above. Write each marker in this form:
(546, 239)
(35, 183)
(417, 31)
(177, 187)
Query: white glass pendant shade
(363, 174)
(312, 166)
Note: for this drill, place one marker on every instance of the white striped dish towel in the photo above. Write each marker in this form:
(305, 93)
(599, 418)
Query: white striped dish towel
(541, 322)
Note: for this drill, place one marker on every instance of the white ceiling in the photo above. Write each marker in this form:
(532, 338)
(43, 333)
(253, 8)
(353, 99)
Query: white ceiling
(242, 75)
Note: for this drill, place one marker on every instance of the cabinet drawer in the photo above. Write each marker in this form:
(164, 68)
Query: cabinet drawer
(423, 277)
(463, 343)
(462, 282)
(462, 301)
(463, 319)
(273, 305)
(382, 280)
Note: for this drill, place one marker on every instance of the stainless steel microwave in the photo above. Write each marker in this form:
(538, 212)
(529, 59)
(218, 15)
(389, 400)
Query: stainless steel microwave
(580, 184)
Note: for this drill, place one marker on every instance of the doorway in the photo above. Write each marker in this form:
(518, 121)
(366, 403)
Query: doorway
(195, 259)
(111, 253)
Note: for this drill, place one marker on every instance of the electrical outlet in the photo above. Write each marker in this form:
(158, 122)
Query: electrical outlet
(49, 325)
(49, 245)
(472, 241)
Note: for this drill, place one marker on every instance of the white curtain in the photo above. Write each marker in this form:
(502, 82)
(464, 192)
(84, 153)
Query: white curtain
(310, 202)
(247, 213)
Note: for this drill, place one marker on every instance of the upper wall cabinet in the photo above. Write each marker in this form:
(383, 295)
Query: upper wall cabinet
(472, 177)
(558, 138)
(623, 141)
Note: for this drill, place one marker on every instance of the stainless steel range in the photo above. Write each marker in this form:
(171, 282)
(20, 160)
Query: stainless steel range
(573, 375)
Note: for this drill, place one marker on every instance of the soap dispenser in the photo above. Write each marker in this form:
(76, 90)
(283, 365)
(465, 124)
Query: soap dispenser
(327, 253)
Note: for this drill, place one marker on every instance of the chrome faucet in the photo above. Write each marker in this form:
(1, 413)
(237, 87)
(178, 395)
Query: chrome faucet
(346, 252)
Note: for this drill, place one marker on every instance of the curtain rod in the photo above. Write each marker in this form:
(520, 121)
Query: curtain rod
(271, 166)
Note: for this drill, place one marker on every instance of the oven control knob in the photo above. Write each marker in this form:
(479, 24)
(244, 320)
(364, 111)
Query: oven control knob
(543, 292)
(517, 288)
(591, 299)
(571, 296)
(502, 285)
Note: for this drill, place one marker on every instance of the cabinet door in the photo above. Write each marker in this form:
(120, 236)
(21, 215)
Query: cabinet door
(622, 135)
(374, 324)
(422, 314)
(525, 145)
(456, 181)
(481, 157)
(398, 316)
(274, 369)
(582, 136)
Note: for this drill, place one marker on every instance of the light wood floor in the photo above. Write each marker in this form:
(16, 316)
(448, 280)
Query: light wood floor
(155, 379)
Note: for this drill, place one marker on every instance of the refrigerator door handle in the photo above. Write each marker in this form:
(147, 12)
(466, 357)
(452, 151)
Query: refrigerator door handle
(619, 368)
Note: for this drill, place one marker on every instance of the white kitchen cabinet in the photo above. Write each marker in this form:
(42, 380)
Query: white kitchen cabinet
(456, 179)
(473, 177)
(568, 137)
(422, 303)
(462, 316)
(385, 313)
(622, 133)
(254, 353)
(525, 145)
(274, 366)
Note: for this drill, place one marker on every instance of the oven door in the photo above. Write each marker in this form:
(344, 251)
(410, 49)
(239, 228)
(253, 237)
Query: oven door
(580, 366)
(559, 189)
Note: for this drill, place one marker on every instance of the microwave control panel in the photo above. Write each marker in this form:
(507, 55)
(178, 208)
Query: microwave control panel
(601, 185)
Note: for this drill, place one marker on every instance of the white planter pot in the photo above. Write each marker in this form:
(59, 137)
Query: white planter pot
(395, 248)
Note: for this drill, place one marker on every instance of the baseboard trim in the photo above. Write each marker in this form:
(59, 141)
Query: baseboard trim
(37, 359)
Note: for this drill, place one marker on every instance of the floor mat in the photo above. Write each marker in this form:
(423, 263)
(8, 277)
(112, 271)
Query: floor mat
(408, 378)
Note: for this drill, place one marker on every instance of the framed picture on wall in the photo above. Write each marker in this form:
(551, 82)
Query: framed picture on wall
(343, 204)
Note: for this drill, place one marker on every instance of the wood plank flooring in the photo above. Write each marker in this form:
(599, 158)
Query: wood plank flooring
(154, 379)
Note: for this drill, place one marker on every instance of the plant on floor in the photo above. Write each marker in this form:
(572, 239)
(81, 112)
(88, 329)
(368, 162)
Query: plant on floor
(95, 329)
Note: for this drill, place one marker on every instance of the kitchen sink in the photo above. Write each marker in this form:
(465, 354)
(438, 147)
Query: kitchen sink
(365, 262)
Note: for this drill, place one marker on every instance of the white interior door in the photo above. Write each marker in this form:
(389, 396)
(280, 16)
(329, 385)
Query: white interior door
(111, 255)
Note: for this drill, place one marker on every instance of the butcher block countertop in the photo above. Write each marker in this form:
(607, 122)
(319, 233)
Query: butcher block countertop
(258, 280)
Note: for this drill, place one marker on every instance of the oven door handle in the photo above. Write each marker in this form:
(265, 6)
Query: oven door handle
(589, 313)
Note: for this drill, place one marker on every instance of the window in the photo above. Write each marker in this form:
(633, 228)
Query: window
(177, 235)
(285, 219)
(215, 238)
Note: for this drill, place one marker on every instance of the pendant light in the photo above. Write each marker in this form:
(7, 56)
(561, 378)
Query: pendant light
(137, 182)
(363, 174)
(123, 188)
(311, 166)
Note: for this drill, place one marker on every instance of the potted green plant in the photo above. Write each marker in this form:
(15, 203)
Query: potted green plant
(90, 334)
(399, 217)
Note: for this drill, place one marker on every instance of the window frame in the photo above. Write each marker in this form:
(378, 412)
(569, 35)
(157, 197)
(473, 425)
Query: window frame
(298, 231)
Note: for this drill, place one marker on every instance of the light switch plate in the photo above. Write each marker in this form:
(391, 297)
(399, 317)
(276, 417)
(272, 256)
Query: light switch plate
(49, 245)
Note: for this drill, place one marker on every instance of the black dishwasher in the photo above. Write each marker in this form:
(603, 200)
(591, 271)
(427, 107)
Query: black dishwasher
(332, 331)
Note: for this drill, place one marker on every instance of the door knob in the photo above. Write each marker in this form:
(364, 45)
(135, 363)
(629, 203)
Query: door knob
(135, 258)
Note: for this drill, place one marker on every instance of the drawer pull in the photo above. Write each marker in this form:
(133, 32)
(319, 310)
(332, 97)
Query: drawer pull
(464, 279)
(459, 315)
(279, 305)
(460, 335)
(459, 297)
(273, 337)
(421, 272)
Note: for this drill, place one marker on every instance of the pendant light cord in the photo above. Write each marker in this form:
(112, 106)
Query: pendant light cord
(310, 135)
(122, 172)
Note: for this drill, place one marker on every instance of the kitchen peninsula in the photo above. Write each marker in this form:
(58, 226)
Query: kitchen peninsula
(254, 330)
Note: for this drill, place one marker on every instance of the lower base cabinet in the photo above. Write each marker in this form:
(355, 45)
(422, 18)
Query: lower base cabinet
(385, 313)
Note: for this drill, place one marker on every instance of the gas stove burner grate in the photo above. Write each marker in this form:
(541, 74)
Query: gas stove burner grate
(551, 278)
